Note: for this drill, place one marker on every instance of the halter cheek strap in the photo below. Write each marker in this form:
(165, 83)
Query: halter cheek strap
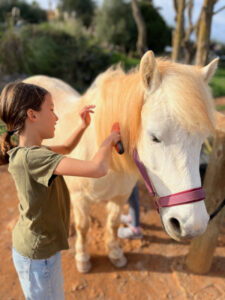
(144, 174)
(188, 196)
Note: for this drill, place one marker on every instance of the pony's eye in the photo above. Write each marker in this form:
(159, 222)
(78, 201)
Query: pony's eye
(154, 139)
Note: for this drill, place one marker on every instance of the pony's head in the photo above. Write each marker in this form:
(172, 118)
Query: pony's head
(176, 117)
(165, 111)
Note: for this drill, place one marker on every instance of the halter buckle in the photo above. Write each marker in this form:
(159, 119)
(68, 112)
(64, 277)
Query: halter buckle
(156, 202)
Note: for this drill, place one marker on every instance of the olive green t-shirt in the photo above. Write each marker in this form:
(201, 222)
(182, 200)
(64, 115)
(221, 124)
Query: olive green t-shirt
(44, 203)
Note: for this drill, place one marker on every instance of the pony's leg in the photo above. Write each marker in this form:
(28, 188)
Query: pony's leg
(81, 214)
(115, 252)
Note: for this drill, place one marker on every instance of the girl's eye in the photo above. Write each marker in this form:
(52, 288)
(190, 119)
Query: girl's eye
(155, 139)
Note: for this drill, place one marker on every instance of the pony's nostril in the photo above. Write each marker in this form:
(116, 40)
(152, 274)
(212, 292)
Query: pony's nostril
(175, 226)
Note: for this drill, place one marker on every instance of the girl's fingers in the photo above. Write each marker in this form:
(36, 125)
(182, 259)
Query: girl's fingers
(87, 110)
(116, 137)
(89, 107)
(85, 113)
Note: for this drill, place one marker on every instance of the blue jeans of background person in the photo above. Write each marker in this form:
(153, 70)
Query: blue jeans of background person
(134, 210)
(40, 279)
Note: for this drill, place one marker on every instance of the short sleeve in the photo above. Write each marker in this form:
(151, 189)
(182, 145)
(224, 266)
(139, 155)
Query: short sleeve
(41, 163)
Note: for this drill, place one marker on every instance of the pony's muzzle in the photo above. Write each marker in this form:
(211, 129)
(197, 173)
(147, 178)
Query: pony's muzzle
(182, 232)
(174, 224)
(180, 225)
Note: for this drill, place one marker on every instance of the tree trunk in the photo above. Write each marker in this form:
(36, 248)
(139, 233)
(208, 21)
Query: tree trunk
(199, 258)
(189, 46)
(190, 52)
(142, 36)
(203, 39)
(178, 33)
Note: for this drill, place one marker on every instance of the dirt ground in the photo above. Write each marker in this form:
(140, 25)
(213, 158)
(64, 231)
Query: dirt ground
(155, 268)
(156, 264)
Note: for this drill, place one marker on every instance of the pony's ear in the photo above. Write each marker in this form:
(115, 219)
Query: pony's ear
(149, 72)
(209, 70)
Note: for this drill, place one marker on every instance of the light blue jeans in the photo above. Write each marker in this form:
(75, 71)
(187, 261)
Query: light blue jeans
(134, 210)
(41, 279)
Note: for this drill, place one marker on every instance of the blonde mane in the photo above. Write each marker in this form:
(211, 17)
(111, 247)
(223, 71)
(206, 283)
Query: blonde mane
(120, 97)
(190, 100)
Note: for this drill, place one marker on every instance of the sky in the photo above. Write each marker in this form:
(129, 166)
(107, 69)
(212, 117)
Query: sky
(167, 11)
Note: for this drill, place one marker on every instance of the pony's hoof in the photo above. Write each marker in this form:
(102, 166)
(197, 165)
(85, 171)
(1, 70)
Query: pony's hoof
(119, 262)
(83, 266)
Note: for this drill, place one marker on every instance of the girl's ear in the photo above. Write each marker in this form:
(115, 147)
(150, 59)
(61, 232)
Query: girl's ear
(31, 114)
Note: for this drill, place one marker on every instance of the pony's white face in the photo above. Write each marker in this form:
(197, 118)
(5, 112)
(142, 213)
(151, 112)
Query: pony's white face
(170, 154)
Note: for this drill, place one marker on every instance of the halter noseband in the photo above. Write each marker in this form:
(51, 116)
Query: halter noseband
(189, 196)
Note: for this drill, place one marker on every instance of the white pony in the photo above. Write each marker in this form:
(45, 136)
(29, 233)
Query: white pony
(165, 111)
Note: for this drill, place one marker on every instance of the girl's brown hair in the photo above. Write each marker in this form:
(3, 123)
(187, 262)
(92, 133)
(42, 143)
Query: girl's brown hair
(16, 98)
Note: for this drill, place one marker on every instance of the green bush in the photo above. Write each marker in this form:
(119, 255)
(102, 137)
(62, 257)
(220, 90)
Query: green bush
(217, 83)
(84, 9)
(31, 13)
(159, 34)
(2, 128)
(11, 53)
(127, 63)
(71, 26)
(115, 29)
(42, 49)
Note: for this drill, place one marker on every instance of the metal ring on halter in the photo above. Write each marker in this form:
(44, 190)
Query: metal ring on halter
(156, 202)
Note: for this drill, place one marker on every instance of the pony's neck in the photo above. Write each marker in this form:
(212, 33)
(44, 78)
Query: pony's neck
(119, 98)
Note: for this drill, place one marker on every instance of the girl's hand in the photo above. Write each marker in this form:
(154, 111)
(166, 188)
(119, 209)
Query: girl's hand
(112, 139)
(85, 115)
(115, 136)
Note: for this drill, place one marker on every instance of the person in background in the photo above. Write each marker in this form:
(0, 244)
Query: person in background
(132, 220)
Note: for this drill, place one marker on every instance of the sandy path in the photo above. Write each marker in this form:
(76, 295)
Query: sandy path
(155, 268)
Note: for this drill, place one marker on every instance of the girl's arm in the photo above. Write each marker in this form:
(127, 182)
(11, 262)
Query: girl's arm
(75, 137)
(97, 167)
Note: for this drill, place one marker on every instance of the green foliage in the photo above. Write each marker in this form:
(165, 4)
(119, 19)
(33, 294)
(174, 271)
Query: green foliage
(115, 29)
(159, 34)
(71, 26)
(11, 53)
(217, 83)
(220, 107)
(45, 50)
(30, 13)
(115, 25)
(127, 63)
(84, 9)
(2, 128)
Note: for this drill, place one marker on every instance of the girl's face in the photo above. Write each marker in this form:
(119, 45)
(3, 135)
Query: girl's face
(47, 118)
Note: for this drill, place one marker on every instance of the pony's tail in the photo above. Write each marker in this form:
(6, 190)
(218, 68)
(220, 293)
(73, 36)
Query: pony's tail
(6, 144)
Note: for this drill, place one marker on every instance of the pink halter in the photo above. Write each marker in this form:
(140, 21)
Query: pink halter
(189, 196)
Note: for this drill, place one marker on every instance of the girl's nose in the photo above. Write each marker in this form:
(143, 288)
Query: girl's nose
(56, 117)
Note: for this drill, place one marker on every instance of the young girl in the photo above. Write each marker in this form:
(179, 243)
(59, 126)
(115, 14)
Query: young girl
(42, 229)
